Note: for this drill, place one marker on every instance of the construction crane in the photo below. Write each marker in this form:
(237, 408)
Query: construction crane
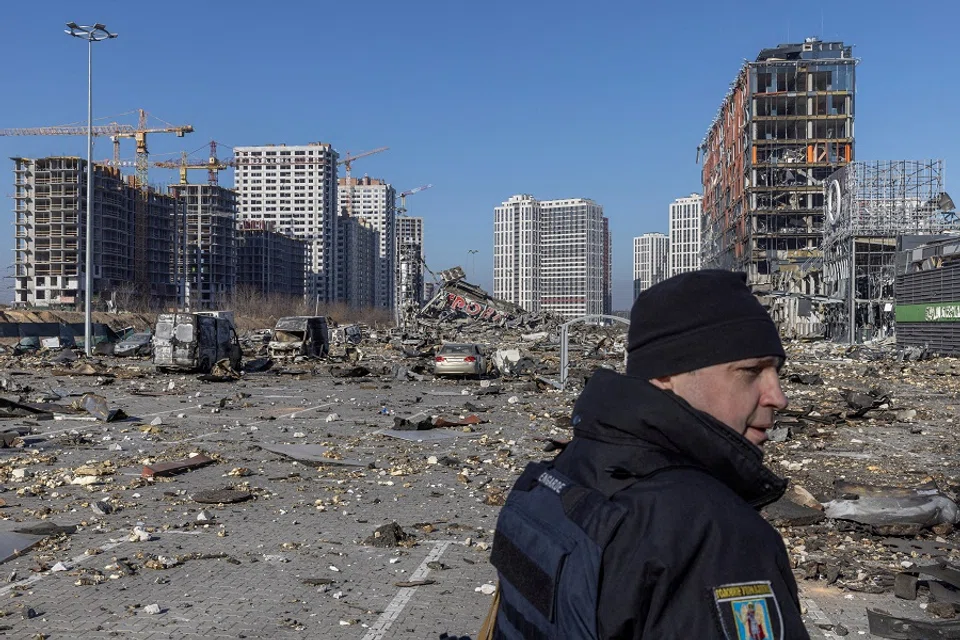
(348, 163)
(402, 210)
(212, 164)
(348, 160)
(140, 136)
(115, 132)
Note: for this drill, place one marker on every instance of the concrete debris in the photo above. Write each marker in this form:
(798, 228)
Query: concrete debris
(96, 405)
(178, 466)
(102, 508)
(879, 419)
(13, 544)
(390, 535)
(139, 534)
(221, 496)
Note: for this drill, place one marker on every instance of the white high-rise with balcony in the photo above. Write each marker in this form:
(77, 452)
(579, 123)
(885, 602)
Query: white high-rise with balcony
(650, 258)
(685, 220)
(295, 189)
(549, 255)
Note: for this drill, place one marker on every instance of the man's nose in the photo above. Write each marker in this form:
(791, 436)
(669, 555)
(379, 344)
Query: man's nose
(773, 395)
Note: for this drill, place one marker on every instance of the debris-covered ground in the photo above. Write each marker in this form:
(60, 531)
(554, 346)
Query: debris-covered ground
(355, 496)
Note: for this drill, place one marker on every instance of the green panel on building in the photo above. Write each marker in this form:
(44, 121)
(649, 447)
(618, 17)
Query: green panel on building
(929, 312)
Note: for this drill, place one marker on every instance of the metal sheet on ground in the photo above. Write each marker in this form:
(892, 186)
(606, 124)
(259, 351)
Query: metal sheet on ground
(311, 453)
(15, 544)
(432, 435)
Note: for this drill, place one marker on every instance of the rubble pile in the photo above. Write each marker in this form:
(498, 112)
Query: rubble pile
(347, 470)
(868, 444)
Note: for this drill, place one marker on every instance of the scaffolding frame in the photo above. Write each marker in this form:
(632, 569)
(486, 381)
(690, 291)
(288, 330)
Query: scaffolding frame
(868, 206)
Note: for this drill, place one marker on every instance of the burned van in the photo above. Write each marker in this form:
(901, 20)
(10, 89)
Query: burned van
(300, 336)
(195, 341)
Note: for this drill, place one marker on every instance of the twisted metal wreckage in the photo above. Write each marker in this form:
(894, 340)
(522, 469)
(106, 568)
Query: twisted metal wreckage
(458, 301)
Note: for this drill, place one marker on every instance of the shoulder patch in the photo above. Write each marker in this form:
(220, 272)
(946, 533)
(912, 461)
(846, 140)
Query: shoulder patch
(748, 611)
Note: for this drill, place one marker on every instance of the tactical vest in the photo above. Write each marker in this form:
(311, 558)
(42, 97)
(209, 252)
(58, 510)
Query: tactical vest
(548, 551)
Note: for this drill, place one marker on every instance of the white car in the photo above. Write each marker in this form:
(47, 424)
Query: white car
(459, 360)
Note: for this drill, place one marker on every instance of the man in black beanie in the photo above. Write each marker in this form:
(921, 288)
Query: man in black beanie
(647, 524)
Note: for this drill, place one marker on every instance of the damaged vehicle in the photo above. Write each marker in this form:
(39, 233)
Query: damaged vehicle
(300, 336)
(459, 360)
(195, 341)
(136, 344)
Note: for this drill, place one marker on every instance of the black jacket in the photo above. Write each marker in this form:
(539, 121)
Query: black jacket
(693, 558)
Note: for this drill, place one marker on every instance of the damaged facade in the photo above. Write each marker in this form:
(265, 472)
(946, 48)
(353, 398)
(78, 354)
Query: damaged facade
(784, 127)
(872, 210)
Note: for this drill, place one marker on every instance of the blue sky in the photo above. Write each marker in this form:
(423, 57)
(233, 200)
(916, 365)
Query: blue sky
(604, 100)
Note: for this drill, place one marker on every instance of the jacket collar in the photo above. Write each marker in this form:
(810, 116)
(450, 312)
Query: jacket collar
(624, 410)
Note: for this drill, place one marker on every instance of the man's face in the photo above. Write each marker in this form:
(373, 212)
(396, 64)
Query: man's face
(743, 395)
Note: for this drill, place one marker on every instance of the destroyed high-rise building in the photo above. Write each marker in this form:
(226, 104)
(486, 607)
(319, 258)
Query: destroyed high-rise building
(551, 255)
(784, 127)
(295, 188)
(651, 257)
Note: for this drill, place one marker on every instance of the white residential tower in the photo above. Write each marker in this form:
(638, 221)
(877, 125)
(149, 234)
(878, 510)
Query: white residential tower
(650, 256)
(295, 188)
(685, 220)
(551, 255)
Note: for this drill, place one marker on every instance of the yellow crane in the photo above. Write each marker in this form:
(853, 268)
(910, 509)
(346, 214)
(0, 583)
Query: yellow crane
(114, 131)
(212, 164)
(140, 136)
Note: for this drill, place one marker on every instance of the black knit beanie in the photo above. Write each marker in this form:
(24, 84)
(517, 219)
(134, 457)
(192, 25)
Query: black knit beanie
(695, 320)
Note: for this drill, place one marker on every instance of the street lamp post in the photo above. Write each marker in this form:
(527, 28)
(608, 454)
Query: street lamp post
(473, 261)
(91, 34)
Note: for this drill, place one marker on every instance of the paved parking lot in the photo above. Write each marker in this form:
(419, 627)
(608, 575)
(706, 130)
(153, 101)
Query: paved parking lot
(290, 561)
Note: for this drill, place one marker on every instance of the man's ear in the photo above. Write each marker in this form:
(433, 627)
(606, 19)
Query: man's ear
(665, 383)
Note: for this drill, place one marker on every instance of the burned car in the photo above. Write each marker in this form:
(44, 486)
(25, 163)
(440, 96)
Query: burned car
(300, 336)
(135, 344)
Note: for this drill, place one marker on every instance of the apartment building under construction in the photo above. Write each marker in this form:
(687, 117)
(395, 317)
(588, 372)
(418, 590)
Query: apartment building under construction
(50, 208)
(207, 253)
(784, 127)
(270, 262)
(409, 262)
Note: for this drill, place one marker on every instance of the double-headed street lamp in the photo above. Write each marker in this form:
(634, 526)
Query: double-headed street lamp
(91, 34)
